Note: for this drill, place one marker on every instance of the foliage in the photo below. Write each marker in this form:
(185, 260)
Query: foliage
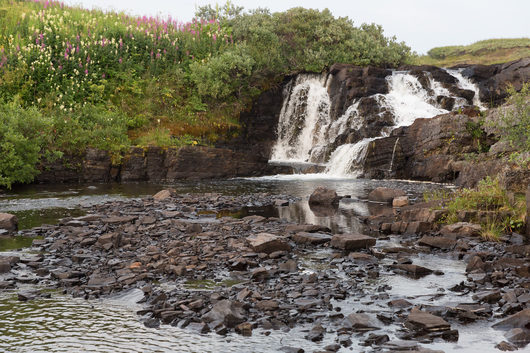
(515, 120)
(23, 135)
(487, 52)
(104, 79)
(507, 213)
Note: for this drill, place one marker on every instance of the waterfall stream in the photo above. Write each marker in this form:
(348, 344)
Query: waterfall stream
(308, 134)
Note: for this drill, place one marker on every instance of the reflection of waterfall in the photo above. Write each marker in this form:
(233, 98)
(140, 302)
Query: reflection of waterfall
(308, 134)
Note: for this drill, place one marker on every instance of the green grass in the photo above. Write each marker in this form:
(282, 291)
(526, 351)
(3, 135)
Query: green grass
(487, 52)
(507, 212)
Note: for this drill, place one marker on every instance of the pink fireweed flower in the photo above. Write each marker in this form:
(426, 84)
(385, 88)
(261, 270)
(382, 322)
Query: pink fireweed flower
(120, 60)
(86, 72)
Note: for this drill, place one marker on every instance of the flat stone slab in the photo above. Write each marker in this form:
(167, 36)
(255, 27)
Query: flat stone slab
(308, 228)
(362, 322)
(119, 219)
(268, 243)
(311, 238)
(414, 270)
(352, 241)
(518, 320)
(437, 242)
(423, 321)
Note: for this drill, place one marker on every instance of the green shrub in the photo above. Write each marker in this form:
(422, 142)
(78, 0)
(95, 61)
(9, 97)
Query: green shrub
(24, 133)
(515, 121)
(489, 195)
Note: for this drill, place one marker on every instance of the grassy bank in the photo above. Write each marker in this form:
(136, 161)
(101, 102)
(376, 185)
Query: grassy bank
(487, 52)
(109, 80)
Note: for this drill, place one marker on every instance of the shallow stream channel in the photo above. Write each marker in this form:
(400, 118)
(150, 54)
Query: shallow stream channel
(58, 322)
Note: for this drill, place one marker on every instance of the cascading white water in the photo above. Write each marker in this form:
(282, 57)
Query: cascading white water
(304, 119)
(306, 130)
(465, 83)
(347, 159)
(408, 100)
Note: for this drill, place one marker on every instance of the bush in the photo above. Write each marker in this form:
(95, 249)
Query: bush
(489, 195)
(24, 133)
(515, 120)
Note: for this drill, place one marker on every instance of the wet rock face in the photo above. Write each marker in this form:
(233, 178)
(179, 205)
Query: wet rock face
(8, 222)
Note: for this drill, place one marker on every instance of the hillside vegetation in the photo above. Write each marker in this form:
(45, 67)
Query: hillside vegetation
(487, 52)
(109, 80)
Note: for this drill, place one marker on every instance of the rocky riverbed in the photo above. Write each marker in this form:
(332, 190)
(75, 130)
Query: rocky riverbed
(202, 267)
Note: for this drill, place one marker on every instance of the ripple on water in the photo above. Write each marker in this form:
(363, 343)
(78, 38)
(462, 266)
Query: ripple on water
(65, 324)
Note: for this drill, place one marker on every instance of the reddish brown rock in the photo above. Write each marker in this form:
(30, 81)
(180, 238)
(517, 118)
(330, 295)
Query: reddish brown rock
(268, 243)
(352, 241)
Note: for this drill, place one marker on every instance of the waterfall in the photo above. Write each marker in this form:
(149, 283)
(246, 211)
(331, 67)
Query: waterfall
(307, 133)
(347, 159)
(303, 119)
(465, 83)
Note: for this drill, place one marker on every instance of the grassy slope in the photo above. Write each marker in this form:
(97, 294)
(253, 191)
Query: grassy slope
(487, 52)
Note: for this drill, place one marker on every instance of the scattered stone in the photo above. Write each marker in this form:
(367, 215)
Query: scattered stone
(311, 238)
(414, 270)
(162, 195)
(324, 197)
(386, 195)
(505, 346)
(268, 243)
(316, 334)
(518, 320)
(362, 322)
(8, 222)
(438, 242)
(463, 229)
(352, 241)
(225, 311)
(424, 322)
(400, 201)
(244, 329)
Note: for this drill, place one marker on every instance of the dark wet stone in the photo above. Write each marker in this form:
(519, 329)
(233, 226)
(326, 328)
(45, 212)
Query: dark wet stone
(488, 296)
(374, 339)
(287, 349)
(362, 322)
(27, 295)
(518, 320)
(518, 336)
(400, 303)
(316, 334)
(424, 322)
(362, 257)
(506, 347)
(152, 323)
(413, 270)
(226, 311)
